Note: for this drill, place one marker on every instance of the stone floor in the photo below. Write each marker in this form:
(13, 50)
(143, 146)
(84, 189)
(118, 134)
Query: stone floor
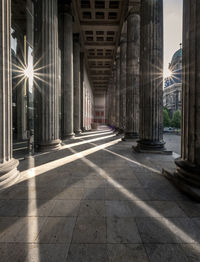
(95, 200)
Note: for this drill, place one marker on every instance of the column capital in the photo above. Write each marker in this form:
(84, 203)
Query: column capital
(67, 9)
(114, 68)
(135, 9)
(117, 55)
(123, 38)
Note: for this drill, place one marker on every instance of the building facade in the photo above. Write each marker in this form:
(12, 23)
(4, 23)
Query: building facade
(172, 94)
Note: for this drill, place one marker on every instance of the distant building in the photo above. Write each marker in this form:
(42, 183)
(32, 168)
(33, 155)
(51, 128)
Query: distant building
(173, 84)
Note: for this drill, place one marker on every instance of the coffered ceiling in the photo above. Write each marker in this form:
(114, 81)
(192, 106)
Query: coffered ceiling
(100, 25)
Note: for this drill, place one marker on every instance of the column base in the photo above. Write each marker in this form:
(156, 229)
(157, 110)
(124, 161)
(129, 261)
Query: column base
(182, 182)
(78, 132)
(116, 130)
(68, 136)
(153, 147)
(9, 173)
(188, 172)
(129, 135)
(51, 146)
(120, 132)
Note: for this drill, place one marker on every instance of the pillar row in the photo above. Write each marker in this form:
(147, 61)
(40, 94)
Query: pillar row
(151, 76)
(132, 75)
(47, 87)
(8, 165)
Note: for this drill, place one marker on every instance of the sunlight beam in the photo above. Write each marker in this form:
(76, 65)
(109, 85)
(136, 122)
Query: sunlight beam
(33, 228)
(141, 204)
(63, 161)
(86, 141)
(99, 134)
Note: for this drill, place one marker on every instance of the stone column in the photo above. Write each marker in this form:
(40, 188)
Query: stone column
(110, 102)
(68, 87)
(47, 87)
(151, 77)
(113, 96)
(108, 105)
(122, 99)
(8, 165)
(77, 87)
(106, 108)
(188, 166)
(81, 86)
(21, 96)
(117, 90)
(84, 108)
(132, 75)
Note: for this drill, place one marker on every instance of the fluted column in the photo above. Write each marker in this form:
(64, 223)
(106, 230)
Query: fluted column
(47, 87)
(21, 97)
(8, 165)
(109, 104)
(81, 86)
(188, 167)
(77, 87)
(132, 75)
(113, 97)
(151, 76)
(106, 106)
(117, 90)
(122, 99)
(68, 87)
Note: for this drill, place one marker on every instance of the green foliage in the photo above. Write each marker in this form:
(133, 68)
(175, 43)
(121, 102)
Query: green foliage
(166, 118)
(176, 119)
(165, 108)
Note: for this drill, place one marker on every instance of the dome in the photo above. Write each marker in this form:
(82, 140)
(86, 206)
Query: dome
(177, 54)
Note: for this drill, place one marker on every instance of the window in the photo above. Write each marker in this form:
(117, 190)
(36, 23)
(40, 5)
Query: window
(85, 4)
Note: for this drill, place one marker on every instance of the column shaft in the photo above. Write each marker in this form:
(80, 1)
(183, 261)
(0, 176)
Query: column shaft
(151, 76)
(68, 88)
(188, 167)
(109, 104)
(77, 87)
(21, 98)
(132, 76)
(81, 87)
(113, 94)
(8, 165)
(47, 86)
(122, 110)
(117, 90)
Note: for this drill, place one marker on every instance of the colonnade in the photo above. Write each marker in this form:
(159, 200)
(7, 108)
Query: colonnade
(141, 86)
(51, 62)
(134, 95)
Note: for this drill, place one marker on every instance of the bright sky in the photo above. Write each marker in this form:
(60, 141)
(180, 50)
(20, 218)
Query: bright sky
(172, 30)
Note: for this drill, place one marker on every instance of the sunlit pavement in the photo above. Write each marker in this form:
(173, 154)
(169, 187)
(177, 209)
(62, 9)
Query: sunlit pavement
(95, 200)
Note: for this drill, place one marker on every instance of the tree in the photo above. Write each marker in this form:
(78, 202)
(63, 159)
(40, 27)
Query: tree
(166, 118)
(176, 119)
